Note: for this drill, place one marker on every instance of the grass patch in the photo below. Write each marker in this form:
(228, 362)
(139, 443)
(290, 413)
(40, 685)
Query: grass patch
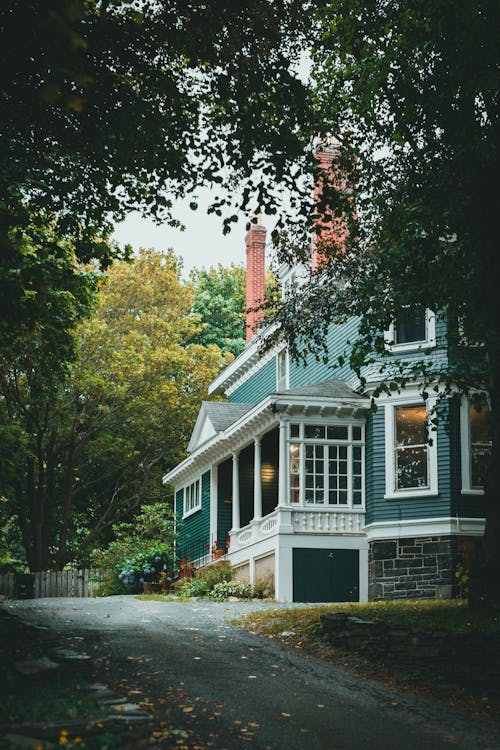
(51, 700)
(452, 616)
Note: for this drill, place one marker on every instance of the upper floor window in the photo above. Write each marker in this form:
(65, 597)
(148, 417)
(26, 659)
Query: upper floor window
(410, 459)
(192, 498)
(282, 370)
(476, 446)
(411, 331)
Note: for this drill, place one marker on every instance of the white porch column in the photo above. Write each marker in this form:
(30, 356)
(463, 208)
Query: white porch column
(283, 467)
(236, 492)
(257, 480)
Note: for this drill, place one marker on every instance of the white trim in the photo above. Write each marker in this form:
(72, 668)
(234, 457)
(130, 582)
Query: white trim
(197, 507)
(425, 527)
(251, 359)
(282, 384)
(413, 346)
(390, 462)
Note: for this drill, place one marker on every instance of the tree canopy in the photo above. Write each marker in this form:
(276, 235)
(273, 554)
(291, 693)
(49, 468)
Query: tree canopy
(411, 95)
(84, 450)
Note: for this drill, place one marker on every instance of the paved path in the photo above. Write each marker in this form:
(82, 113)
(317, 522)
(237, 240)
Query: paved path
(223, 688)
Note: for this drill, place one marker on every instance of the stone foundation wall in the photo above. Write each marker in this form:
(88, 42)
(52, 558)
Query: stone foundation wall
(413, 568)
(470, 659)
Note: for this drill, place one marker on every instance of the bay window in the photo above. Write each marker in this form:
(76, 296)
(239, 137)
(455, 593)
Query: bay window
(326, 465)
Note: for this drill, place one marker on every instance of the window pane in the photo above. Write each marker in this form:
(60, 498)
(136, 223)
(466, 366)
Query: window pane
(409, 326)
(479, 459)
(480, 431)
(343, 498)
(336, 433)
(411, 468)
(294, 430)
(356, 433)
(314, 431)
(356, 498)
(410, 425)
(356, 454)
(343, 451)
(332, 498)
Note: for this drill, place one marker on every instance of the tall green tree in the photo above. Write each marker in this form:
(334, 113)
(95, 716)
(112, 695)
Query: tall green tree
(412, 93)
(85, 453)
(219, 299)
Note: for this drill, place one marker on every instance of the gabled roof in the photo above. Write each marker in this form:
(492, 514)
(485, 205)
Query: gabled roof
(215, 417)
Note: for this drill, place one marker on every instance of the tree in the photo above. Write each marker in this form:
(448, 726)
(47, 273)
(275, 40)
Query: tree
(112, 105)
(412, 94)
(87, 450)
(220, 302)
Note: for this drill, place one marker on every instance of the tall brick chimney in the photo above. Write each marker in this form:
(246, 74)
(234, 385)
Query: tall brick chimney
(331, 230)
(255, 242)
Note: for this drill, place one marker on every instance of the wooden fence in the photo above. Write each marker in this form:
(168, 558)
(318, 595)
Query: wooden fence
(74, 583)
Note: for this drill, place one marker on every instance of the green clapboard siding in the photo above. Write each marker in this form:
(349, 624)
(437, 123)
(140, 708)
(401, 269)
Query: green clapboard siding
(314, 371)
(260, 385)
(377, 508)
(196, 528)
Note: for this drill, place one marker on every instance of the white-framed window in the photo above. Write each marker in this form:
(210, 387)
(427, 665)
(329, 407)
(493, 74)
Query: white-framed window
(410, 460)
(282, 370)
(326, 465)
(411, 331)
(192, 498)
(475, 429)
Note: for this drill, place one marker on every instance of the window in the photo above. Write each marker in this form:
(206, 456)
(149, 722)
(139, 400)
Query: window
(410, 327)
(411, 331)
(192, 500)
(326, 465)
(282, 370)
(410, 460)
(476, 447)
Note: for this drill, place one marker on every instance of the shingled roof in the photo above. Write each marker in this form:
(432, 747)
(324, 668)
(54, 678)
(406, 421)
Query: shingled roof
(325, 389)
(223, 414)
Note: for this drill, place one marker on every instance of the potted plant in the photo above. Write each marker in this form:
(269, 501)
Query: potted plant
(144, 570)
(216, 551)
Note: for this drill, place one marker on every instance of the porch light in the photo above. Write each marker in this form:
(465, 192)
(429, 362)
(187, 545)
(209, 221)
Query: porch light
(268, 472)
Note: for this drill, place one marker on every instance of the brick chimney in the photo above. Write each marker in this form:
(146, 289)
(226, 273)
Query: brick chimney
(331, 230)
(255, 243)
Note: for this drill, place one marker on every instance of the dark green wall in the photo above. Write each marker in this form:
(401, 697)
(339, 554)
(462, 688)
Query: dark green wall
(377, 508)
(195, 530)
(224, 492)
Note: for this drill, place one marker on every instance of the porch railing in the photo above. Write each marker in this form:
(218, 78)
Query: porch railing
(299, 521)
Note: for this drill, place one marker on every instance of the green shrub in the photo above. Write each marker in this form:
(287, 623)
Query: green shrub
(221, 591)
(204, 580)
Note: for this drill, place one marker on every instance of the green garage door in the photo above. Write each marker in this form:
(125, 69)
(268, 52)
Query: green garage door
(325, 575)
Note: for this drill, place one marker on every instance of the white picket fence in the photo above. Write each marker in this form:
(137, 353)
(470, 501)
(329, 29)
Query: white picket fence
(76, 583)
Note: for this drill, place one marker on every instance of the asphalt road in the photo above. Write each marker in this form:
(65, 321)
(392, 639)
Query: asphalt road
(224, 688)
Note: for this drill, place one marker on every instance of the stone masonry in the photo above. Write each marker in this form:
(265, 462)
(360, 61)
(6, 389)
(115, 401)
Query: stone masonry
(416, 568)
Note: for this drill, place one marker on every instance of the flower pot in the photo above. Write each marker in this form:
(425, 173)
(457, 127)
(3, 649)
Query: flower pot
(218, 553)
(151, 588)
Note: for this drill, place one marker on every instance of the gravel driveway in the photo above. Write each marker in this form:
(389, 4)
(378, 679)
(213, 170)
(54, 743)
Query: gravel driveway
(209, 684)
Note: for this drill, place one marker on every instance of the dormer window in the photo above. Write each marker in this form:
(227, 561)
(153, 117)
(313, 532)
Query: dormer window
(282, 370)
(411, 331)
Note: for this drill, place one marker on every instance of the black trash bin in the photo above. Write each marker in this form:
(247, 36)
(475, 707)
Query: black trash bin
(24, 586)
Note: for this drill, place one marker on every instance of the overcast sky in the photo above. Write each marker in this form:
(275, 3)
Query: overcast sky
(202, 244)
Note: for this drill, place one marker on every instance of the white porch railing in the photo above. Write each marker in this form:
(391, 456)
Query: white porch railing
(299, 521)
